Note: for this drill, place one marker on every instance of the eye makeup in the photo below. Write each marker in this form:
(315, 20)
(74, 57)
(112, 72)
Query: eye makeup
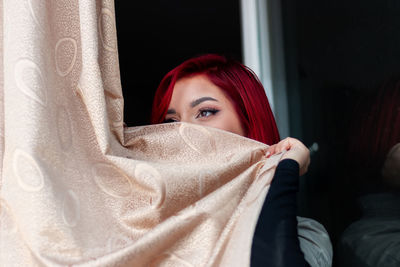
(206, 112)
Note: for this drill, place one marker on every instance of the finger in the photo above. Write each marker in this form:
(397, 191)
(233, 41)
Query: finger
(270, 151)
(283, 145)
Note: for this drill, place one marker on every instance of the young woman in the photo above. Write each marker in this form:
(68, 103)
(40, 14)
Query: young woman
(214, 91)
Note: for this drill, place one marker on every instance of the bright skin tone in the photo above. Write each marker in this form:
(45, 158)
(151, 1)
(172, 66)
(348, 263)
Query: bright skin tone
(197, 100)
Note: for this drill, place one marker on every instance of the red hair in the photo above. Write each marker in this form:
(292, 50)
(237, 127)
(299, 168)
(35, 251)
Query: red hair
(375, 129)
(237, 81)
(376, 124)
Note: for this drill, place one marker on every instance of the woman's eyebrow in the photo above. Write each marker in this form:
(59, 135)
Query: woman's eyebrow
(200, 100)
(171, 111)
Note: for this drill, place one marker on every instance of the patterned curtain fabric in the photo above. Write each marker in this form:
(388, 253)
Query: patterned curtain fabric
(77, 188)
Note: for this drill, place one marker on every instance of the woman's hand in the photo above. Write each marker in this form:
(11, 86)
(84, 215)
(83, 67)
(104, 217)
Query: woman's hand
(295, 150)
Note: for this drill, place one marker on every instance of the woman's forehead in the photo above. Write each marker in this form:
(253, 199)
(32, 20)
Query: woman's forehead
(196, 86)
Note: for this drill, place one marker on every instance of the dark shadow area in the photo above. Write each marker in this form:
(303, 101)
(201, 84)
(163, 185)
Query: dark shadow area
(341, 57)
(156, 36)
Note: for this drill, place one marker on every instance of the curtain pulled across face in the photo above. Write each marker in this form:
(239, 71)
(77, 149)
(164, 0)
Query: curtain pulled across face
(77, 188)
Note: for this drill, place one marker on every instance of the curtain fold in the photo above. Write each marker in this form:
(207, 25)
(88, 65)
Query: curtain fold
(77, 188)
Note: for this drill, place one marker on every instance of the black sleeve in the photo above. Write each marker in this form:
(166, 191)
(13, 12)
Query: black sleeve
(275, 241)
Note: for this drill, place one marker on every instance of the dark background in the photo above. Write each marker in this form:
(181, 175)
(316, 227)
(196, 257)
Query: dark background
(336, 54)
(156, 36)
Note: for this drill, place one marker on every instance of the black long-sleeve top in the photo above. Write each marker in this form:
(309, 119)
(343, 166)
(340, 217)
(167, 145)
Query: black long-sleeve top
(275, 241)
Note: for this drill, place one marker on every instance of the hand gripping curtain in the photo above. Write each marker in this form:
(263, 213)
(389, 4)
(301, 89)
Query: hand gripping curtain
(80, 189)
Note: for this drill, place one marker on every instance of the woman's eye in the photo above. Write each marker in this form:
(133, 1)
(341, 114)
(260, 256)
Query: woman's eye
(169, 120)
(207, 113)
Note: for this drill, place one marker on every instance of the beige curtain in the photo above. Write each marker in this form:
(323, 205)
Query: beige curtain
(77, 188)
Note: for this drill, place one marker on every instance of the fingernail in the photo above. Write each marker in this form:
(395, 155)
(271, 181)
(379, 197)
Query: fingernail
(268, 154)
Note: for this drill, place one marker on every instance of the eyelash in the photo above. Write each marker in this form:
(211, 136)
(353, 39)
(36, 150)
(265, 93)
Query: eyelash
(213, 111)
(169, 120)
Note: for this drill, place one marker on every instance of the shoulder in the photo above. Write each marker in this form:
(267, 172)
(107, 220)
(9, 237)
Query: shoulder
(314, 242)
